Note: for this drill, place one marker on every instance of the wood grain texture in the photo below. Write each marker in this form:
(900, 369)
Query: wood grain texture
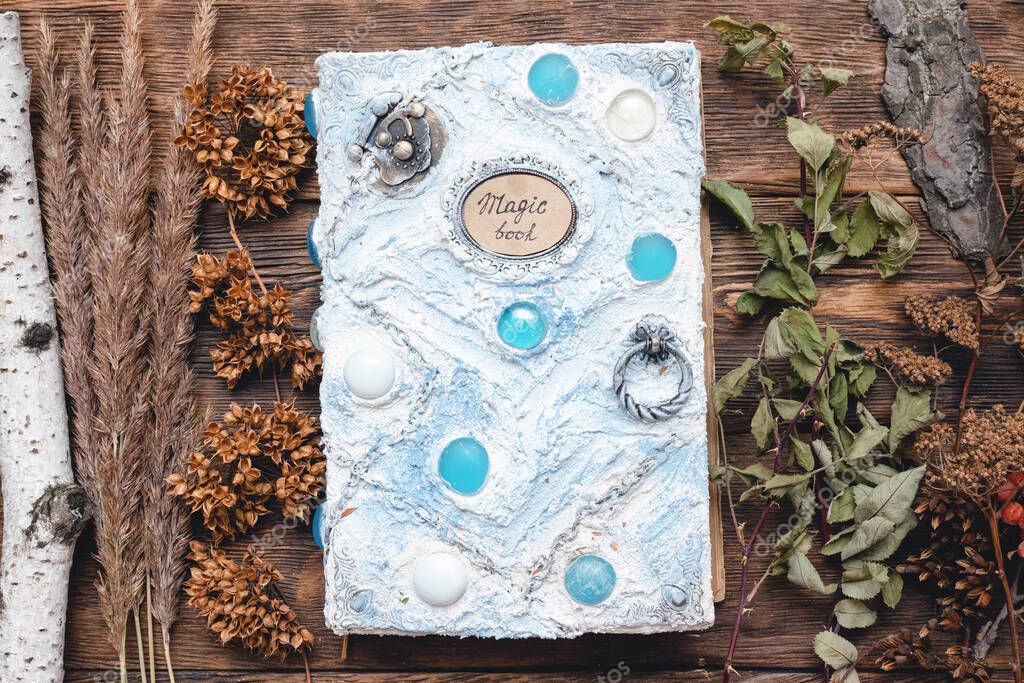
(741, 146)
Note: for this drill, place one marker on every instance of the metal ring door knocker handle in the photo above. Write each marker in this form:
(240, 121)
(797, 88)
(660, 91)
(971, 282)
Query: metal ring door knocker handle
(654, 341)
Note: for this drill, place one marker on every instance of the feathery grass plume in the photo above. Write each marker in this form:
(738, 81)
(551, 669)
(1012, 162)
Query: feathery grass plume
(175, 422)
(68, 244)
(91, 132)
(120, 266)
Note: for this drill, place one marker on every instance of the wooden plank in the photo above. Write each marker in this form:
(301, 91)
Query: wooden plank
(701, 675)
(777, 634)
(743, 144)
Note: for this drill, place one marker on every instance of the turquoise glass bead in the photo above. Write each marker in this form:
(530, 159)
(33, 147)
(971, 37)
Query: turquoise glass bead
(652, 257)
(463, 465)
(522, 325)
(553, 79)
(317, 526)
(311, 245)
(309, 113)
(590, 579)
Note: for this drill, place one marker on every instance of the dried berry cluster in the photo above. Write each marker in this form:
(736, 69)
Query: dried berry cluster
(250, 138)
(249, 459)
(240, 601)
(950, 317)
(259, 324)
(863, 136)
(955, 563)
(913, 367)
(1005, 99)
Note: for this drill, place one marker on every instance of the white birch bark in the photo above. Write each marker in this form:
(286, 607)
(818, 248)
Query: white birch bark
(42, 508)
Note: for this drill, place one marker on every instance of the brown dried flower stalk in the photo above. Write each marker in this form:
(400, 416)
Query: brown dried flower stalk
(119, 260)
(859, 138)
(175, 423)
(241, 601)
(913, 367)
(951, 317)
(992, 446)
(259, 324)
(1004, 96)
(250, 138)
(249, 459)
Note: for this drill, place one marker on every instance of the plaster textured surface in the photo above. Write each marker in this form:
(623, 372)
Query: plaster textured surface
(570, 472)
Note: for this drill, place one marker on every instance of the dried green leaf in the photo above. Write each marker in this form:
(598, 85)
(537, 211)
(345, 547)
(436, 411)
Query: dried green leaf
(802, 454)
(802, 573)
(749, 303)
(892, 590)
(892, 499)
(864, 230)
(834, 650)
(732, 384)
(733, 198)
(833, 77)
(911, 411)
(810, 141)
(781, 484)
(761, 426)
(890, 543)
(841, 508)
(851, 613)
(867, 534)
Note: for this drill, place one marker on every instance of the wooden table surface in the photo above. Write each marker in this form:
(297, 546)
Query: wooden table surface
(775, 644)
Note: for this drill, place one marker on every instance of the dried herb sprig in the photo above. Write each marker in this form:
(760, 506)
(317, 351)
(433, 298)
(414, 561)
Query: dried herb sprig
(259, 324)
(249, 459)
(951, 317)
(835, 444)
(911, 366)
(1004, 97)
(175, 421)
(250, 138)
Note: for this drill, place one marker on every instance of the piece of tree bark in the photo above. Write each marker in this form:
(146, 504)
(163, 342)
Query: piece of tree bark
(927, 86)
(43, 509)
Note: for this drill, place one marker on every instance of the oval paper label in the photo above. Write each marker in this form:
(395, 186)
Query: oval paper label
(518, 214)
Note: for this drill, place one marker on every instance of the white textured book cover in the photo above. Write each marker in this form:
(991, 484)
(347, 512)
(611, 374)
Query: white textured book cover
(513, 402)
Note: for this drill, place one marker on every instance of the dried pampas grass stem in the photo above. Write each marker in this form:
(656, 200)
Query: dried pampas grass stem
(175, 423)
(119, 262)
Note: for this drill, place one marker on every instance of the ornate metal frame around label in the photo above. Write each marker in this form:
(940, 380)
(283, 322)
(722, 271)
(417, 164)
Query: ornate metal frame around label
(516, 267)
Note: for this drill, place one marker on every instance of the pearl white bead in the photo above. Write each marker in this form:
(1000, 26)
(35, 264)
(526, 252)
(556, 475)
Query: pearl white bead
(370, 372)
(631, 115)
(440, 579)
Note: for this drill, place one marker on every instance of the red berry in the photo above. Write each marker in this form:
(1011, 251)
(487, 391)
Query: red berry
(1012, 512)
(1015, 478)
(1005, 491)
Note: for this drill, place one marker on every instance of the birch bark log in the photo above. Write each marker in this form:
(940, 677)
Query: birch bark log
(43, 509)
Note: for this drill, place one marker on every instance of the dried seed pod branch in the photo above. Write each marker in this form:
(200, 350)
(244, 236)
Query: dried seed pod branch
(250, 138)
(259, 325)
(249, 459)
(241, 601)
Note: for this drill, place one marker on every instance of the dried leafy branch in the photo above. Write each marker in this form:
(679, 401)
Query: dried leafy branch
(832, 462)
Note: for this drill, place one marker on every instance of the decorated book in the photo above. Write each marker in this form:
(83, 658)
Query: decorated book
(514, 402)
